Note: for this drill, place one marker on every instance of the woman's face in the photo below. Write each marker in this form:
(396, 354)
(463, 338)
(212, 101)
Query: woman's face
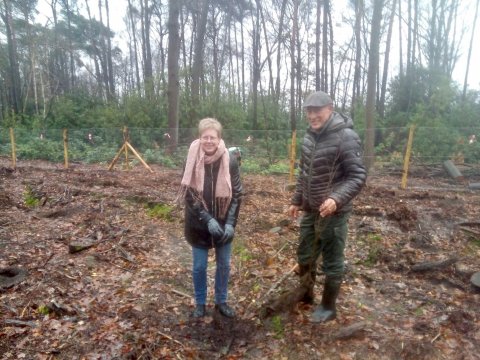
(210, 140)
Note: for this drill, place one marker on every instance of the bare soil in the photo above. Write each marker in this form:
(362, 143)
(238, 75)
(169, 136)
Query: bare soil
(128, 295)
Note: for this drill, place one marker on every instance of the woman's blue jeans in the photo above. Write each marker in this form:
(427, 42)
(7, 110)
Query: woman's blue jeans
(222, 273)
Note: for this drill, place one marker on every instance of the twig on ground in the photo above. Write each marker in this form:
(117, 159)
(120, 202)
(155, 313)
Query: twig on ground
(120, 267)
(20, 322)
(280, 250)
(434, 265)
(49, 258)
(435, 338)
(171, 339)
(469, 230)
(25, 309)
(181, 293)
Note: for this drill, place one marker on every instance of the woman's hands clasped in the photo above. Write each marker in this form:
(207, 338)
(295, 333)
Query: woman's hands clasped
(215, 229)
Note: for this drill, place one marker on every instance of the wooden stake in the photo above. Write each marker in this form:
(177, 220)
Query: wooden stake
(65, 147)
(116, 157)
(138, 156)
(293, 156)
(124, 149)
(406, 160)
(125, 140)
(14, 152)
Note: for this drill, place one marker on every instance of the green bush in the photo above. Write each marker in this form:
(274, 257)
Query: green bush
(157, 156)
(37, 148)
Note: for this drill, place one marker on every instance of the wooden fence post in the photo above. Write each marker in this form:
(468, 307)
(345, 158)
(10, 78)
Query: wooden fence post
(406, 160)
(125, 140)
(14, 151)
(293, 155)
(65, 147)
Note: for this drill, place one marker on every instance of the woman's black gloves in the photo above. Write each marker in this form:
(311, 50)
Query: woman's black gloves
(215, 229)
(228, 234)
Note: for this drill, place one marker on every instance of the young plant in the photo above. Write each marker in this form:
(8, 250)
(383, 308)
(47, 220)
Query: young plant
(160, 211)
(277, 326)
(30, 198)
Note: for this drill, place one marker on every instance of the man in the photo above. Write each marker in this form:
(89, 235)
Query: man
(331, 174)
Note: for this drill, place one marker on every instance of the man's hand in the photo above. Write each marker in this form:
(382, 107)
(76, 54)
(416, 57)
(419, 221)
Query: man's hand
(227, 234)
(293, 211)
(214, 228)
(328, 207)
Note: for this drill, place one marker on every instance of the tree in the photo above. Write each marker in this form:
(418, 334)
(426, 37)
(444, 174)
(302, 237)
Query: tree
(15, 93)
(132, 12)
(256, 71)
(373, 61)
(198, 55)
(173, 77)
(358, 5)
(464, 93)
(145, 21)
(111, 80)
(383, 88)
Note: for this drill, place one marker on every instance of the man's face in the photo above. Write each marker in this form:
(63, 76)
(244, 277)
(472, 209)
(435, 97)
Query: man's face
(317, 116)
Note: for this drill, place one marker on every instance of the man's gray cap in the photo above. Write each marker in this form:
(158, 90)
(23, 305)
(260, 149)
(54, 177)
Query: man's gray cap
(317, 99)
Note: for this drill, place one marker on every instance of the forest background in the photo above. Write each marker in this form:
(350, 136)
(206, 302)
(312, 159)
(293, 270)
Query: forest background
(389, 64)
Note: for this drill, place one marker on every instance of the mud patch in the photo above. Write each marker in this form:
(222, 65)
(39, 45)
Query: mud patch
(405, 217)
(218, 335)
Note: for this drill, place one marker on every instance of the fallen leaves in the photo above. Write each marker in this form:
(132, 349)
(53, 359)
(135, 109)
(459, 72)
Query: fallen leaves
(130, 294)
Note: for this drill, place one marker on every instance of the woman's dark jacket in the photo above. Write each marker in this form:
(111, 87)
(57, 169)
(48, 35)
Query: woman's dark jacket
(197, 217)
(330, 166)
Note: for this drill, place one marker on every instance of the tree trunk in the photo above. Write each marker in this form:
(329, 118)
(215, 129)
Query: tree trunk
(68, 11)
(358, 53)
(318, 41)
(103, 53)
(293, 47)
(400, 40)
(373, 62)
(330, 51)
(268, 50)
(198, 57)
(14, 73)
(279, 51)
(465, 82)
(409, 37)
(324, 77)
(111, 80)
(146, 49)
(255, 67)
(135, 50)
(383, 91)
(173, 68)
(96, 56)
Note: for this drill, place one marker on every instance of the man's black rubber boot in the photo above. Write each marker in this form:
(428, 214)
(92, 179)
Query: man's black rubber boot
(327, 310)
(199, 311)
(225, 310)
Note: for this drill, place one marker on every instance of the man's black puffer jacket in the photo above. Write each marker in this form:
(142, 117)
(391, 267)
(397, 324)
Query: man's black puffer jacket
(197, 217)
(330, 166)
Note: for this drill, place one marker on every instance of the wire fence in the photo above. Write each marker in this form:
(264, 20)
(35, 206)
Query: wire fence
(265, 149)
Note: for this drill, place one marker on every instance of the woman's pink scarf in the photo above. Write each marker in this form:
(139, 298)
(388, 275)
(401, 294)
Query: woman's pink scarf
(194, 175)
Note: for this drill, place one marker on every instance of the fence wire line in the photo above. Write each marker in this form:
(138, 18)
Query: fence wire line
(99, 145)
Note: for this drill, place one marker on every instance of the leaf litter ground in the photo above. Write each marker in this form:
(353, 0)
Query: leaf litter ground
(128, 295)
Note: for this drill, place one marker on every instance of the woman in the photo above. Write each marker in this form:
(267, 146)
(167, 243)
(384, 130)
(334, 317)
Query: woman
(212, 191)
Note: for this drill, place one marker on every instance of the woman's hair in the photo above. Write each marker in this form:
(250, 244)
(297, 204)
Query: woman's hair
(210, 123)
